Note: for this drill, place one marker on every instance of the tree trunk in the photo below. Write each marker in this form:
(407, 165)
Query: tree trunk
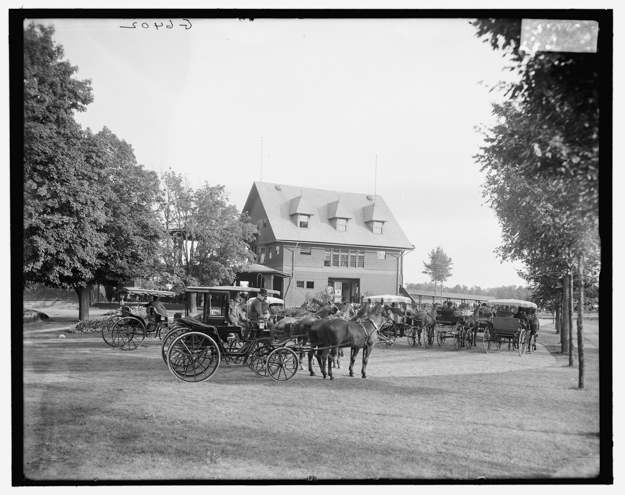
(570, 310)
(564, 334)
(558, 319)
(580, 323)
(84, 301)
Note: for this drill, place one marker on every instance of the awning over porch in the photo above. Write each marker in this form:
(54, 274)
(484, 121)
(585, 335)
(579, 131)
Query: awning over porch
(262, 269)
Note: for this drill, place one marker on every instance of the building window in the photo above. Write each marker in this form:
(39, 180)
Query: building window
(261, 254)
(341, 224)
(361, 259)
(269, 249)
(381, 255)
(344, 258)
(277, 250)
(305, 250)
(303, 221)
(300, 284)
(352, 258)
(310, 285)
(377, 227)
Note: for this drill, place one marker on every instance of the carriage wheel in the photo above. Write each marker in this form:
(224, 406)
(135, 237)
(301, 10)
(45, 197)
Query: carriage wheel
(128, 333)
(486, 340)
(107, 330)
(282, 364)
(440, 340)
(387, 339)
(411, 335)
(193, 357)
(169, 338)
(257, 360)
(522, 342)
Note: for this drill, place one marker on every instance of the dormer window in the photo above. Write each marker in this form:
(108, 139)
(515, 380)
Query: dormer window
(341, 224)
(377, 227)
(302, 221)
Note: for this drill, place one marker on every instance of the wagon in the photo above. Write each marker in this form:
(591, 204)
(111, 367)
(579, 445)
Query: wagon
(395, 326)
(127, 330)
(450, 326)
(505, 328)
(195, 347)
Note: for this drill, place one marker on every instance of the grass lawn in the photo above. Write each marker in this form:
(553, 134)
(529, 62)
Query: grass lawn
(94, 412)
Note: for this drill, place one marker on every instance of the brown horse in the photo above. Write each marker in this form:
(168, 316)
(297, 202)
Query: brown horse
(362, 333)
(534, 326)
(422, 319)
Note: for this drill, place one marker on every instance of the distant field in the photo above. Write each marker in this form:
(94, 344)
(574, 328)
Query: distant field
(93, 412)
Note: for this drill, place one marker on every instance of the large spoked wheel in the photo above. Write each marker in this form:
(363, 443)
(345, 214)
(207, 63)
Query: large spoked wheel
(522, 342)
(440, 339)
(387, 338)
(412, 336)
(282, 364)
(128, 333)
(193, 357)
(107, 330)
(257, 360)
(486, 340)
(169, 338)
(458, 337)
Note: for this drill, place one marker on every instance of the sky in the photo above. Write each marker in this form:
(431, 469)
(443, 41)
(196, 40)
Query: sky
(384, 106)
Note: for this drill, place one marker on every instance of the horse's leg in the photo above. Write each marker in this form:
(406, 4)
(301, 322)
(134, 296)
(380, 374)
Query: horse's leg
(366, 350)
(338, 358)
(352, 360)
(323, 356)
(311, 353)
(332, 356)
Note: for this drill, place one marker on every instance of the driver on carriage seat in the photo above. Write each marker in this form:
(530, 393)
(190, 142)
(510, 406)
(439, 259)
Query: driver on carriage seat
(520, 314)
(158, 308)
(398, 318)
(260, 310)
(448, 310)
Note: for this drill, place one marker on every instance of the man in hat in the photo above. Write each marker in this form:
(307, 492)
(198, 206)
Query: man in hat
(259, 310)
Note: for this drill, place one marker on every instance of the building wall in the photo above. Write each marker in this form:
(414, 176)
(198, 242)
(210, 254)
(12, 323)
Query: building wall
(377, 277)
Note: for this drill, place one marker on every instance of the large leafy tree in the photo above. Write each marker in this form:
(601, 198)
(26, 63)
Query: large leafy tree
(88, 213)
(542, 160)
(439, 267)
(208, 239)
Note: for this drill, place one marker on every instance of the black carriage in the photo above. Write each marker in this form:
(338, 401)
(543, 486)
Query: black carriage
(127, 329)
(505, 328)
(449, 324)
(197, 343)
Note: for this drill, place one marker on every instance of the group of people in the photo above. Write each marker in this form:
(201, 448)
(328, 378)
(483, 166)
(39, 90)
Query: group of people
(238, 314)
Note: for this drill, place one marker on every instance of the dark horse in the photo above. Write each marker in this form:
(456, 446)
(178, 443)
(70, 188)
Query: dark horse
(422, 319)
(534, 326)
(361, 333)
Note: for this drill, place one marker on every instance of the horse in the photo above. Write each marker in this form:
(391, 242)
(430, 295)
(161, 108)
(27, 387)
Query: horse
(422, 319)
(361, 333)
(534, 326)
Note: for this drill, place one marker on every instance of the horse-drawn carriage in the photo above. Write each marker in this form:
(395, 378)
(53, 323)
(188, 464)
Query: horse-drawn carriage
(399, 324)
(450, 324)
(194, 347)
(127, 329)
(505, 327)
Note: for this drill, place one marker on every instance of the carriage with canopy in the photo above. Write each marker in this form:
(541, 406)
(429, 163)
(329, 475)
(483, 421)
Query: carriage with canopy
(131, 324)
(505, 327)
(398, 325)
(193, 349)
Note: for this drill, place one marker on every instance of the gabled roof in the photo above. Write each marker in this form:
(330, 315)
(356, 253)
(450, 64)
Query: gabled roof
(338, 210)
(277, 200)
